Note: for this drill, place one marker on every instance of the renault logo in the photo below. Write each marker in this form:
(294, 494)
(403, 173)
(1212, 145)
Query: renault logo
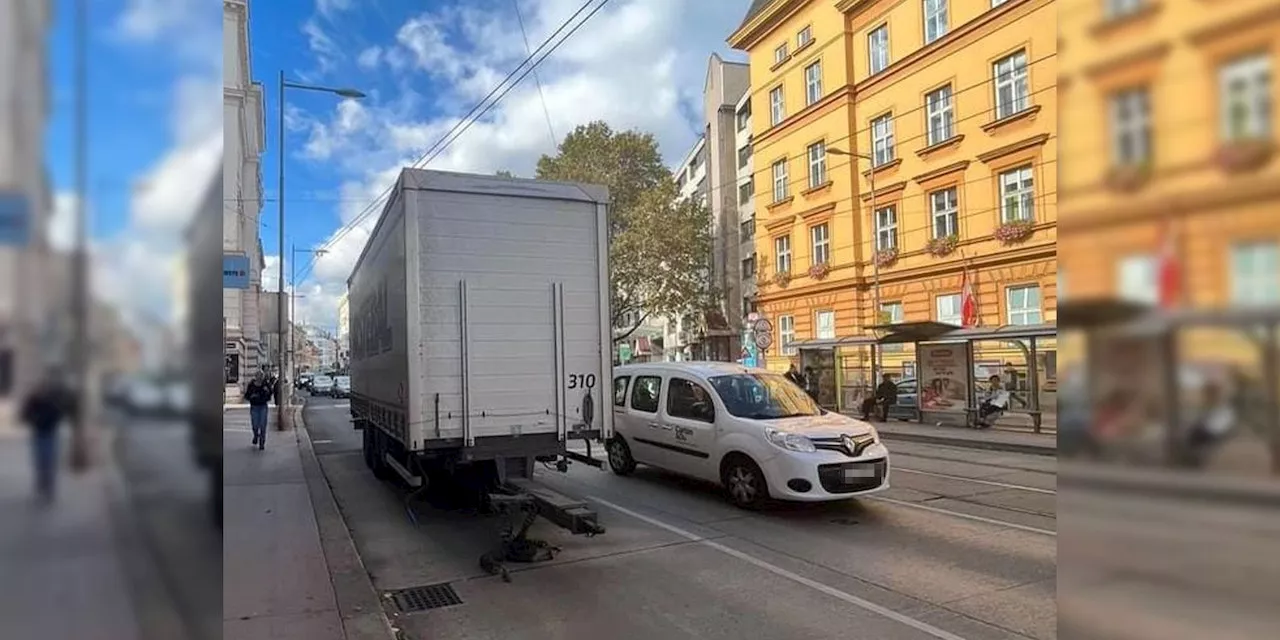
(850, 445)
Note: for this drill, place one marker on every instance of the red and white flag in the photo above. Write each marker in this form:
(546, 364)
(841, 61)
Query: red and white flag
(1169, 281)
(968, 303)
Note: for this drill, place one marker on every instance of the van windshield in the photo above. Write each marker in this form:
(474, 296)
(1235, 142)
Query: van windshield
(763, 396)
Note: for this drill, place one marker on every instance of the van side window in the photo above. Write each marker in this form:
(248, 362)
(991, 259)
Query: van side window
(620, 390)
(689, 400)
(644, 393)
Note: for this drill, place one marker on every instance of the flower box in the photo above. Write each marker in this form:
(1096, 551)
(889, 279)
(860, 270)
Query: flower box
(1244, 155)
(782, 278)
(886, 257)
(1014, 232)
(939, 247)
(820, 270)
(1128, 178)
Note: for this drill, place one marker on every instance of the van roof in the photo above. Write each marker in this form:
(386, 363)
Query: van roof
(704, 369)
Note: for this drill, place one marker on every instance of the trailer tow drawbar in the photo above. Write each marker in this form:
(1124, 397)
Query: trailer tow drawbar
(523, 501)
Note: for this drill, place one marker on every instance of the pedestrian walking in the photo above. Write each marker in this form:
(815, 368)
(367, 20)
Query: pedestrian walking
(44, 411)
(258, 393)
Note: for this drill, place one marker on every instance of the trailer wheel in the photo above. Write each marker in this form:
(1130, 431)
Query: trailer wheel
(620, 459)
(374, 451)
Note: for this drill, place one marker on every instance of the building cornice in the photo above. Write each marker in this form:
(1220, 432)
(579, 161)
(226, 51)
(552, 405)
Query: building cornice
(759, 27)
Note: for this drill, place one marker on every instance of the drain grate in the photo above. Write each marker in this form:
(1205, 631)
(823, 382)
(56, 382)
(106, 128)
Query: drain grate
(425, 598)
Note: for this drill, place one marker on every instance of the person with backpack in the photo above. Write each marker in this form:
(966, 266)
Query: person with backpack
(258, 393)
(44, 411)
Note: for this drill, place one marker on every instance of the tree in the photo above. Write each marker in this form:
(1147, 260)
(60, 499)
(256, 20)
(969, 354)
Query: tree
(503, 173)
(659, 244)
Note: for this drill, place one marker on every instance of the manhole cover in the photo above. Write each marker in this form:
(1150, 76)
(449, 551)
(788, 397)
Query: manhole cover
(424, 598)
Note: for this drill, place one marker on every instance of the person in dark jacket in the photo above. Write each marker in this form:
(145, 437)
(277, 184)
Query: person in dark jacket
(258, 393)
(793, 374)
(886, 396)
(44, 410)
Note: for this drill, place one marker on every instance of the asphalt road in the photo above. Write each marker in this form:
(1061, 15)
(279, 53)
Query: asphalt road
(963, 546)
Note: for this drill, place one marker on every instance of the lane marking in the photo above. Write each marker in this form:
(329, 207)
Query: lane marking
(321, 441)
(237, 429)
(967, 516)
(977, 481)
(849, 598)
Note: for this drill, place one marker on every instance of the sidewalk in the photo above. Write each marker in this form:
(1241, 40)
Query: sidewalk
(279, 563)
(1044, 444)
(63, 575)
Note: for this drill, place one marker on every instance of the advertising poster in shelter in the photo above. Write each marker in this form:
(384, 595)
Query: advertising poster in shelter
(944, 385)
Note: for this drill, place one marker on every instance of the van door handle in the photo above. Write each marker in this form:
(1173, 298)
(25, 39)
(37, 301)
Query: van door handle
(654, 425)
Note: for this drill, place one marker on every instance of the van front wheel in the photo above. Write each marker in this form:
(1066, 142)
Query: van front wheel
(620, 459)
(744, 483)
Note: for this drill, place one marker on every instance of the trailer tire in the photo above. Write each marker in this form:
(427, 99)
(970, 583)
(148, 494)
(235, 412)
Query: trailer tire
(375, 452)
(620, 459)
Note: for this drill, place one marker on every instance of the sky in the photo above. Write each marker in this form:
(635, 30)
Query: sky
(156, 137)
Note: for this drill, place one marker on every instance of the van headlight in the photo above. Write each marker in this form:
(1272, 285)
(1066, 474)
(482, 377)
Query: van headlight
(790, 441)
(875, 435)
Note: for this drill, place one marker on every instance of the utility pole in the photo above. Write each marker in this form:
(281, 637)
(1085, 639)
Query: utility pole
(878, 363)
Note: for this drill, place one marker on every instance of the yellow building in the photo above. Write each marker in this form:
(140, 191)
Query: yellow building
(1170, 109)
(953, 104)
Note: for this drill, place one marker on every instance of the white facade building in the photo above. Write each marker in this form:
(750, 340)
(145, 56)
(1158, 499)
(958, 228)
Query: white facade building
(25, 198)
(242, 188)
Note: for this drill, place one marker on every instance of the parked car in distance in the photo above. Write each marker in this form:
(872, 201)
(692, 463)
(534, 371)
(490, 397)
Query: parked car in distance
(178, 399)
(304, 381)
(321, 385)
(341, 387)
(145, 397)
(907, 407)
(752, 431)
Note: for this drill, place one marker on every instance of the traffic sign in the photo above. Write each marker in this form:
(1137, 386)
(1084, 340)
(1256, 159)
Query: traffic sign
(763, 339)
(764, 326)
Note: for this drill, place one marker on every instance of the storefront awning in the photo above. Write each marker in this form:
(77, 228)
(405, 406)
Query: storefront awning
(1097, 312)
(910, 332)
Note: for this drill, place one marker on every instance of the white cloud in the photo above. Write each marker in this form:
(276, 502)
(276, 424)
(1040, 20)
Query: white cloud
(161, 22)
(369, 58)
(61, 230)
(637, 64)
(328, 8)
(326, 51)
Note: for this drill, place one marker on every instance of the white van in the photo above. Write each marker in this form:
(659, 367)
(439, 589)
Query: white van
(753, 431)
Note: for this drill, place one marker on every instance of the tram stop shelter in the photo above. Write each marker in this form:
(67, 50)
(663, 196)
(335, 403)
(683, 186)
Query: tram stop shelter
(944, 374)
(1145, 356)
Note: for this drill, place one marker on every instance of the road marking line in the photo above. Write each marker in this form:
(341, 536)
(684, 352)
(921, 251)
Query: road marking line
(235, 429)
(977, 481)
(321, 441)
(967, 516)
(794, 577)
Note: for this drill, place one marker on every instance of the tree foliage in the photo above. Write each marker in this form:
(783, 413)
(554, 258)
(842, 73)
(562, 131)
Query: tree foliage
(659, 245)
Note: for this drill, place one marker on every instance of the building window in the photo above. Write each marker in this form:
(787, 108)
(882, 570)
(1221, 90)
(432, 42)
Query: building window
(946, 212)
(949, 309)
(748, 230)
(1023, 304)
(748, 305)
(935, 20)
(777, 107)
(1013, 93)
(744, 156)
(1017, 195)
(1122, 8)
(1255, 273)
(744, 116)
(782, 253)
(825, 322)
(781, 190)
(780, 54)
(882, 139)
(878, 48)
(891, 313)
(804, 37)
(786, 335)
(745, 191)
(1245, 89)
(817, 164)
(1137, 279)
(749, 267)
(941, 115)
(886, 228)
(812, 83)
(820, 239)
(1131, 127)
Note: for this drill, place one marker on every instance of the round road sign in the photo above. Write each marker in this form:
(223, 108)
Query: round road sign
(764, 339)
(764, 326)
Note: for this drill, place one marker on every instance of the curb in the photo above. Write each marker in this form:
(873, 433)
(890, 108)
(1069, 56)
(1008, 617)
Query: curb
(359, 605)
(970, 443)
(1185, 486)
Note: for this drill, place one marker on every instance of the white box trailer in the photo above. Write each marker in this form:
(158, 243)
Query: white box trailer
(480, 327)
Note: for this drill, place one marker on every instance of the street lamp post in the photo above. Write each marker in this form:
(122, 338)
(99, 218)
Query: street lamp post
(878, 363)
(283, 391)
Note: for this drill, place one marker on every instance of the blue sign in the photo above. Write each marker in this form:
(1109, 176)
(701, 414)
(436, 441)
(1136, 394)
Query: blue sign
(15, 219)
(235, 271)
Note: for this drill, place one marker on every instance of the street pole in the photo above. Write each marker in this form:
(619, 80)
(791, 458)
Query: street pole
(293, 307)
(79, 302)
(282, 397)
(878, 365)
